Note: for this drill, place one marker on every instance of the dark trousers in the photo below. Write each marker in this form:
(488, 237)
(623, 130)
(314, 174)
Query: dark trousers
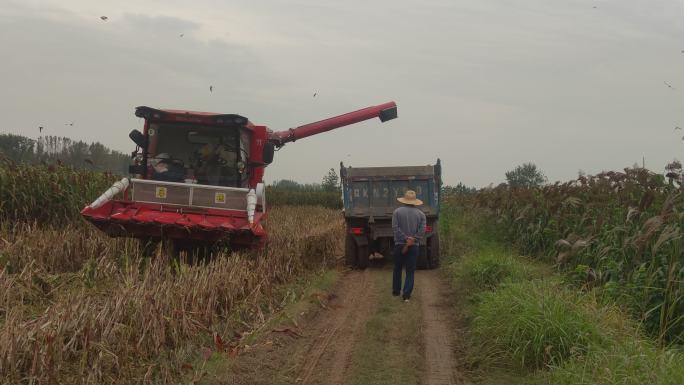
(408, 261)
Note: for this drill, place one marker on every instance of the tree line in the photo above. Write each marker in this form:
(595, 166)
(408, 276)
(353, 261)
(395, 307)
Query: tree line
(97, 157)
(330, 183)
(54, 149)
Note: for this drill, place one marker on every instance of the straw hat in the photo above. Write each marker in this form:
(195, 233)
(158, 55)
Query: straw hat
(409, 198)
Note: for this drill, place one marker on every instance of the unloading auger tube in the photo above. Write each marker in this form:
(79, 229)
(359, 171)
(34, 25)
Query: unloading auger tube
(385, 112)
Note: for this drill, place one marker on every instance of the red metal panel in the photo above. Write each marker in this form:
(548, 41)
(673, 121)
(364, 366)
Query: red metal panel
(227, 225)
(125, 215)
(146, 216)
(183, 221)
(259, 139)
(101, 212)
(167, 218)
(206, 224)
(208, 118)
(257, 176)
(256, 155)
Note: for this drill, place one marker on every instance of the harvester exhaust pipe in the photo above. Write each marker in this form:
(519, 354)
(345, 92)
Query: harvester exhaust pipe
(385, 112)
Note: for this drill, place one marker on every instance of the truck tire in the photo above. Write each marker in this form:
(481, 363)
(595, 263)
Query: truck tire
(422, 262)
(350, 251)
(433, 251)
(362, 257)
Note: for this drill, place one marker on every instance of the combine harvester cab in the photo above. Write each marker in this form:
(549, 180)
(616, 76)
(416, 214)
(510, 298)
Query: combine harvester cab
(370, 197)
(197, 177)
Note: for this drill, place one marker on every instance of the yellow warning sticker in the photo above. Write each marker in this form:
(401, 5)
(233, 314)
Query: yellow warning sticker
(160, 192)
(220, 197)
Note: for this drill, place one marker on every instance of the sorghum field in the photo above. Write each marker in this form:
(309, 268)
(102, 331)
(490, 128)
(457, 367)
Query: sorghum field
(618, 230)
(570, 283)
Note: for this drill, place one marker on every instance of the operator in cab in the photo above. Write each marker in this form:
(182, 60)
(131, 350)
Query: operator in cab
(216, 165)
(167, 169)
(408, 225)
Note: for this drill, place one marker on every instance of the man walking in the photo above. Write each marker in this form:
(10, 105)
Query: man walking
(408, 224)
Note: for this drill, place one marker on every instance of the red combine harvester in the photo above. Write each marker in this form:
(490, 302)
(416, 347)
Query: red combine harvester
(197, 178)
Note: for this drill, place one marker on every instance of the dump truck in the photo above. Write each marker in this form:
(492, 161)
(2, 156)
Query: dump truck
(197, 178)
(370, 196)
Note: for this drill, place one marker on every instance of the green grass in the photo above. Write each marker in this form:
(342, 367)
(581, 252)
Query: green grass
(629, 361)
(390, 351)
(489, 268)
(527, 325)
(533, 324)
(477, 259)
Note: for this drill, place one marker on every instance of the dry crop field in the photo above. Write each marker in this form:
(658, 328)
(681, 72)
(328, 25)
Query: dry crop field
(78, 307)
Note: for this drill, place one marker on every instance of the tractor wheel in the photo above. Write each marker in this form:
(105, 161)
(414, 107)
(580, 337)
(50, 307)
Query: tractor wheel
(362, 256)
(350, 251)
(422, 262)
(433, 251)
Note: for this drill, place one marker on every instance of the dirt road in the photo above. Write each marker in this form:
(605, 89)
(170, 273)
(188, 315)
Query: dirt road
(361, 334)
(335, 332)
(439, 328)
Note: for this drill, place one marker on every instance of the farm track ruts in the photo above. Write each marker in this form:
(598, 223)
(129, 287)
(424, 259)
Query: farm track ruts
(438, 329)
(329, 339)
(338, 330)
(334, 334)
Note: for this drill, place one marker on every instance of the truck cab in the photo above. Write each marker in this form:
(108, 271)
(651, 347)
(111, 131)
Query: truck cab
(370, 197)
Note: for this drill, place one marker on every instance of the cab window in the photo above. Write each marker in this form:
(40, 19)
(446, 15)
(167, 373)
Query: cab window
(199, 154)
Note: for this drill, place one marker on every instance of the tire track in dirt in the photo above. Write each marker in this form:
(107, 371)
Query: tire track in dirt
(438, 329)
(338, 329)
(333, 343)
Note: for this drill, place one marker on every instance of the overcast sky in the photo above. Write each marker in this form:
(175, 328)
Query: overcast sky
(483, 85)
